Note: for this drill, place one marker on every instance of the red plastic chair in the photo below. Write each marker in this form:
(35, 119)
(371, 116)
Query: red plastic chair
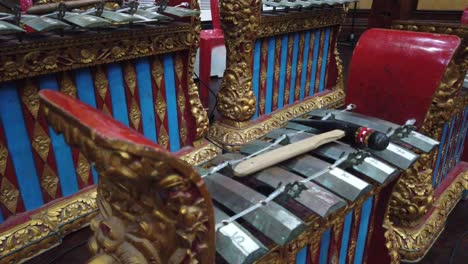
(209, 39)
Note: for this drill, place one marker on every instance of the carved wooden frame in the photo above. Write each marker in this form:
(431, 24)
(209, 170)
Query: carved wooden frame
(46, 227)
(242, 24)
(410, 236)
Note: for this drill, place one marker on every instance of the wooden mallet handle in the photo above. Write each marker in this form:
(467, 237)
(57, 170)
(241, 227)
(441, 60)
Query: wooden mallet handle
(283, 153)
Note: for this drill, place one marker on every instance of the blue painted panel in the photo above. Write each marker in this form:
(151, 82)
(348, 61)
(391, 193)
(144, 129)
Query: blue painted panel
(325, 246)
(447, 148)
(460, 136)
(171, 100)
(295, 52)
(439, 155)
(19, 146)
(314, 62)
(326, 45)
(305, 62)
(85, 87)
(463, 138)
(283, 63)
(301, 257)
(270, 75)
(62, 151)
(143, 74)
(85, 90)
(363, 229)
(1, 217)
(345, 237)
(256, 74)
(117, 92)
(456, 140)
(95, 175)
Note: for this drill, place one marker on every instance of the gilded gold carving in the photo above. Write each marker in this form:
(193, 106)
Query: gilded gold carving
(83, 168)
(14, 243)
(45, 55)
(233, 137)
(135, 114)
(157, 71)
(181, 100)
(9, 195)
(69, 215)
(243, 24)
(298, 21)
(339, 68)
(3, 159)
(47, 228)
(240, 19)
(130, 77)
(41, 142)
(30, 98)
(169, 227)
(413, 195)
(49, 181)
(201, 153)
(67, 86)
(196, 107)
(160, 106)
(413, 243)
(320, 58)
(392, 246)
(163, 137)
(100, 82)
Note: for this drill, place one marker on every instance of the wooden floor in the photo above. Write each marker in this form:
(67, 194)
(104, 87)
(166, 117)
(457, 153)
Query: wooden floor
(74, 247)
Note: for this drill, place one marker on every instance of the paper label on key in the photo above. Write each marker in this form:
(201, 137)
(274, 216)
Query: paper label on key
(349, 178)
(424, 138)
(239, 237)
(400, 151)
(380, 165)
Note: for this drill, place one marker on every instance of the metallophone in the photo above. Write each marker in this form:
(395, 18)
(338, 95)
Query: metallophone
(324, 230)
(257, 213)
(102, 14)
(48, 189)
(139, 73)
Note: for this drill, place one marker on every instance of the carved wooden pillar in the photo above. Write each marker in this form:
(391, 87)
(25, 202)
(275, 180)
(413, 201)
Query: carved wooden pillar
(239, 20)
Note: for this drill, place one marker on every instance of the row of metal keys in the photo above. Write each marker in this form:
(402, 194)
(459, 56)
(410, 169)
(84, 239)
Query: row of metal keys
(66, 15)
(317, 183)
(304, 3)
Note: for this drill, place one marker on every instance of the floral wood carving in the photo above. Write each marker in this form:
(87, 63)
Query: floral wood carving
(199, 113)
(240, 19)
(34, 57)
(153, 207)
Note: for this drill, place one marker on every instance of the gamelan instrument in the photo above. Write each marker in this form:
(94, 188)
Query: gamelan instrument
(88, 14)
(269, 205)
(253, 214)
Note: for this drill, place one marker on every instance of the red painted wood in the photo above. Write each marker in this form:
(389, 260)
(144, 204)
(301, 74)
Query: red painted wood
(393, 74)
(464, 19)
(102, 124)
